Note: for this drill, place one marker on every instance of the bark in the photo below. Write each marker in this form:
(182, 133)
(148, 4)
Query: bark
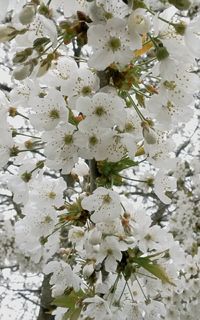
(45, 302)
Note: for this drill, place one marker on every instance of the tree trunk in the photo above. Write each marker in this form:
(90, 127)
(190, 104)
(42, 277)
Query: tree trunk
(45, 302)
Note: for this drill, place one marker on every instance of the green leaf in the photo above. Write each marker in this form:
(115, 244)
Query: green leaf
(154, 268)
(68, 301)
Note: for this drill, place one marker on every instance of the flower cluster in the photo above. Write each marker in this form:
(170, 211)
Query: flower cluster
(100, 87)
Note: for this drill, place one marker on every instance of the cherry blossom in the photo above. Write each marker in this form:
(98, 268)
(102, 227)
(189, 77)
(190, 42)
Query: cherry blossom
(105, 204)
(112, 42)
(104, 200)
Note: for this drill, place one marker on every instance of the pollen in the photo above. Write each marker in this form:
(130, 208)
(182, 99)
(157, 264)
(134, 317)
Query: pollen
(93, 140)
(68, 139)
(54, 114)
(99, 111)
(51, 195)
(107, 198)
(86, 90)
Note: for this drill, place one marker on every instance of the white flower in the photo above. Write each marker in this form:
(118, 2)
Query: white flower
(138, 23)
(43, 27)
(105, 204)
(81, 168)
(48, 191)
(48, 111)
(110, 252)
(19, 183)
(180, 86)
(132, 124)
(98, 308)
(111, 43)
(92, 143)
(40, 27)
(76, 236)
(81, 84)
(6, 145)
(63, 277)
(159, 151)
(59, 313)
(60, 149)
(88, 269)
(155, 310)
(168, 113)
(120, 145)
(60, 72)
(42, 220)
(24, 93)
(172, 313)
(112, 8)
(101, 110)
(149, 238)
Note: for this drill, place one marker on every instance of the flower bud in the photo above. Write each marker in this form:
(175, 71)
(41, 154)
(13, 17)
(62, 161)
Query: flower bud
(22, 72)
(161, 53)
(180, 28)
(27, 14)
(148, 133)
(88, 270)
(181, 4)
(7, 33)
(26, 176)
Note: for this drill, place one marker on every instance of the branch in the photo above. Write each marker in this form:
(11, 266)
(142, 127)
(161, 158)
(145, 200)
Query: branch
(29, 299)
(185, 144)
(13, 268)
(4, 87)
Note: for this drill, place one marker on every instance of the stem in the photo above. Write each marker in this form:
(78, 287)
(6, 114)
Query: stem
(130, 291)
(141, 288)
(146, 62)
(136, 108)
(153, 40)
(137, 180)
(122, 292)
(21, 115)
(160, 18)
(27, 135)
(140, 92)
(93, 174)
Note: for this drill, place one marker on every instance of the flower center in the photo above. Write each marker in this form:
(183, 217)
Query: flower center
(107, 198)
(68, 139)
(86, 90)
(52, 195)
(138, 19)
(47, 219)
(54, 114)
(114, 44)
(109, 252)
(148, 237)
(93, 140)
(129, 127)
(99, 111)
(170, 85)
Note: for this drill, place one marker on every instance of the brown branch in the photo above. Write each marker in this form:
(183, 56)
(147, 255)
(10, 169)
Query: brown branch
(4, 87)
(29, 299)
